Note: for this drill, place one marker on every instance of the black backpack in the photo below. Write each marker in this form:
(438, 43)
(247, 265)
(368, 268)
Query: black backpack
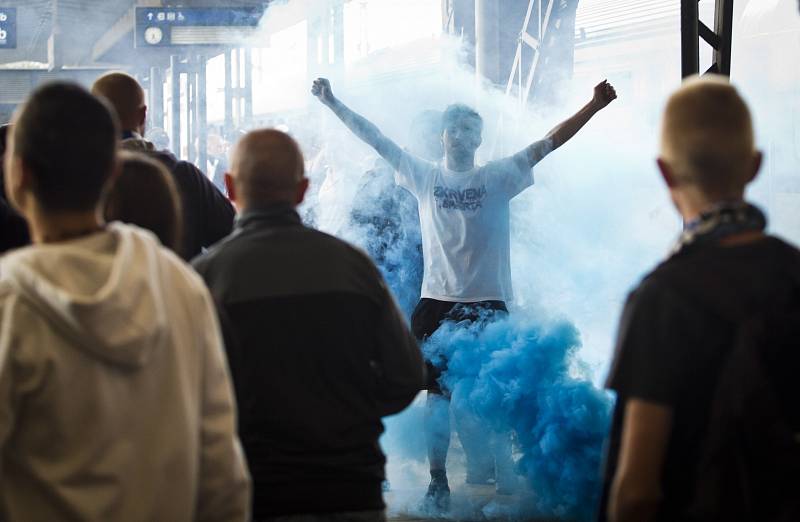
(749, 468)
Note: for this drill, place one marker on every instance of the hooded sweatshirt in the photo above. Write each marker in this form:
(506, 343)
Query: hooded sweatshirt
(115, 398)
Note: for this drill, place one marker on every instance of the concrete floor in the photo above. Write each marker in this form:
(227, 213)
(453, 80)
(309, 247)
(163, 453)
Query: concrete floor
(468, 504)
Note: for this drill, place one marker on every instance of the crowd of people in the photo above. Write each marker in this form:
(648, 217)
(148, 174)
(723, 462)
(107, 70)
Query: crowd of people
(168, 352)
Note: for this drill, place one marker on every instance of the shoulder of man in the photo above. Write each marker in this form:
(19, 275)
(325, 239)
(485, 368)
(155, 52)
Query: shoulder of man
(180, 169)
(18, 316)
(341, 247)
(651, 340)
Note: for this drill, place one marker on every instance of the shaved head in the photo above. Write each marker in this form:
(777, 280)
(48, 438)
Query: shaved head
(267, 167)
(707, 137)
(126, 96)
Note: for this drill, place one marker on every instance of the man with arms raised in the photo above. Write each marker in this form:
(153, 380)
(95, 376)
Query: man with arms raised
(464, 217)
(318, 349)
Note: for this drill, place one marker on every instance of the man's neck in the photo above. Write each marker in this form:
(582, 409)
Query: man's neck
(63, 226)
(693, 204)
(459, 164)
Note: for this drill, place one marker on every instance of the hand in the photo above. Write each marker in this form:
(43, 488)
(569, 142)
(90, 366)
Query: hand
(604, 94)
(322, 90)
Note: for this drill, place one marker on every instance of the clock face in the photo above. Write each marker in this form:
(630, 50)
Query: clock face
(153, 35)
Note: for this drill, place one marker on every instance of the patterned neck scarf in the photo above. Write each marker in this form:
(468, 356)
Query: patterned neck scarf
(721, 221)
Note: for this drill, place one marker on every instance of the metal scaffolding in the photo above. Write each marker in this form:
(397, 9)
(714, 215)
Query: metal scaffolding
(692, 30)
(539, 11)
(545, 50)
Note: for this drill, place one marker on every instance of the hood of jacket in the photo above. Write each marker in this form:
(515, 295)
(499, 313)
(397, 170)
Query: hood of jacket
(105, 291)
(137, 144)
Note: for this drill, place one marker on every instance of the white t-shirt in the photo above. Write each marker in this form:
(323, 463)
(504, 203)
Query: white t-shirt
(464, 218)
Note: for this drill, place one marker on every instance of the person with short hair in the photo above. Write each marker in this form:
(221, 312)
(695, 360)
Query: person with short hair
(217, 151)
(678, 327)
(386, 215)
(207, 215)
(144, 194)
(317, 346)
(115, 399)
(465, 219)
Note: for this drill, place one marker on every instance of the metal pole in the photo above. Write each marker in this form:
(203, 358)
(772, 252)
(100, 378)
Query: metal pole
(191, 114)
(201, 111)
(175, 112)
(228, 92)
(156, 109)
(723, 27)
(690, 52)
(487, 39)
(247, 91)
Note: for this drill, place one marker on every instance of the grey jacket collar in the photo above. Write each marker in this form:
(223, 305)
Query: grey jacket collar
(278, 214)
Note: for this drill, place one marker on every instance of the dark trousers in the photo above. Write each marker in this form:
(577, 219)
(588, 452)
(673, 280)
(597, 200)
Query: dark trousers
(430, 314)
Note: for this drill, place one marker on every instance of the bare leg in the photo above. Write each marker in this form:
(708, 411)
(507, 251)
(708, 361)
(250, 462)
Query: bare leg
(437, 436)
(437, 430)
(474, 438)
(504, 463)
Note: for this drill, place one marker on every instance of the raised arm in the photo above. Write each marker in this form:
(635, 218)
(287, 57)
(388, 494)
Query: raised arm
(604, 94)
(360, 126)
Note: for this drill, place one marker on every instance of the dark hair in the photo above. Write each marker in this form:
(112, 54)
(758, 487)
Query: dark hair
(144, 194)
(68, 140)
(459, 111)
(4, 130)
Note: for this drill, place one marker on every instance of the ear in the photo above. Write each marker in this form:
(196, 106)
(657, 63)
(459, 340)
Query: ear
(666, 173)
(302, 187)
(142, 117)
(18, 183)
(758, 159)
(230, 186)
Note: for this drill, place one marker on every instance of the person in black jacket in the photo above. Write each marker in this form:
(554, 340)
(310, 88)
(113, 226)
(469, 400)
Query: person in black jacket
(13, 227)
(318, 349)
(207, 215)
(680, 323)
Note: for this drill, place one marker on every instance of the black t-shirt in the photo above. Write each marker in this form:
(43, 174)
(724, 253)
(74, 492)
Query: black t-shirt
(673, 337)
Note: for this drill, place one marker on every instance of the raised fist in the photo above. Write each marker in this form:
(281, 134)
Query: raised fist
(604, 94)
(321, 88)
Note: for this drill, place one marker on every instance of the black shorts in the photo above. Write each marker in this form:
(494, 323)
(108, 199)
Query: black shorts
(430, 314)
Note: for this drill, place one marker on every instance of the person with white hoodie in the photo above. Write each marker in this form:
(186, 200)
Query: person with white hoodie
(115, 398)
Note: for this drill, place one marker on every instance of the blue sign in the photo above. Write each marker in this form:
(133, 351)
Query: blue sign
(154, 24)
(8, 27)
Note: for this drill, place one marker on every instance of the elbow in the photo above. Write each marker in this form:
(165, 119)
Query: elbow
(632, 502)
(390, 405)
(397, 395)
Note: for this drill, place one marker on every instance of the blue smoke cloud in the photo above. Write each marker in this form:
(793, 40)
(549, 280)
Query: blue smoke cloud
(597, 218)
(523, 375)
(519, 375)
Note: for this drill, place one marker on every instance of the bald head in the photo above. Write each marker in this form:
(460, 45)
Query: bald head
(707, 138)
(267, 167)
(126, 96)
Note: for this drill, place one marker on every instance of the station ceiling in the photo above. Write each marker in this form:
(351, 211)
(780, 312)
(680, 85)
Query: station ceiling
(89, 32)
